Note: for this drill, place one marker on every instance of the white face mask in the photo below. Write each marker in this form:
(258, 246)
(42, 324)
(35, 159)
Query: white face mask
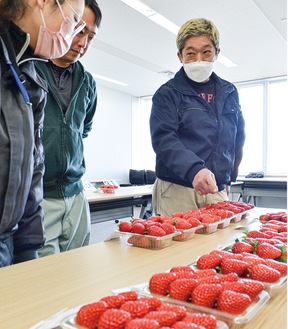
(198, 71)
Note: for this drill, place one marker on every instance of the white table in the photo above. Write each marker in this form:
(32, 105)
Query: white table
(106, 206)
(34, 290)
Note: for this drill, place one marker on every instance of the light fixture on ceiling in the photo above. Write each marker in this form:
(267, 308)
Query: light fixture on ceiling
(225, 61)
(152, 14)
(101, 77)
(166, 24)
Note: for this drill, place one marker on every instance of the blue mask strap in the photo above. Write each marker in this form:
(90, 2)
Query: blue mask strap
(19, 83)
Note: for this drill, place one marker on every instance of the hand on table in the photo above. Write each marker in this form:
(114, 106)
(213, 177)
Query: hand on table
(204, 182)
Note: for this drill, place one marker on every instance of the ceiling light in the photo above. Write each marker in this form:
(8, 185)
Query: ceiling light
(225, 61)
(101, 77)
(152, 14)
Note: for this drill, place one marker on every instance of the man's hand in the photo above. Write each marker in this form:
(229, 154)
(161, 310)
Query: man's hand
(204, 182)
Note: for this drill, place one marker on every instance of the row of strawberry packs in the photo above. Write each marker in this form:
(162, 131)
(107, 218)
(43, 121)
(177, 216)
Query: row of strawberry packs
(128, 310)
(157, 232)
(229, 298)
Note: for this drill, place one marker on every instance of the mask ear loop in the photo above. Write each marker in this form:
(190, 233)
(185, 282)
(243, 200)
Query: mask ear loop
(42, 17)
(62, 10)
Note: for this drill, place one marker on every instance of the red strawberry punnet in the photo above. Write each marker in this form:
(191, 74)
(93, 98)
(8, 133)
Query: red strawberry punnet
(88, 315)
(233, 302)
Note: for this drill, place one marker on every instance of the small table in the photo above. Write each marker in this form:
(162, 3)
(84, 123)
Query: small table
(106, 206)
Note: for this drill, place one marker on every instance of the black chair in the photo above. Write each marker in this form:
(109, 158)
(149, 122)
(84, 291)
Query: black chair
(137, 177)
(150, 176)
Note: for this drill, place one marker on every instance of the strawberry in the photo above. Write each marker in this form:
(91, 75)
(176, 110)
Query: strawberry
(185, 275)
(152, 302)
(181, 289)
(165, 318)
(281, 267)
(266, 250)
(252, 287)
(113, 301)
(208, 321)
(206, 294)
(159, 283)
(229, 265)
(233, 302)
(182, 224)
(230, 277)
(240, 246)
(168, 228)
(135, 308)
(129, 295)
(178, 309)
(264, 273)
(208, 261)
(237, 286)
(138, 228)
(89, 314)
(226, 254)
(139, 241)
(194, 221)
(204, 273)
(155, 231)
(125, 227)
(186, 325)
(184, 268)
(209, 279)
(113, 319)
(142, 323)
(256, 234)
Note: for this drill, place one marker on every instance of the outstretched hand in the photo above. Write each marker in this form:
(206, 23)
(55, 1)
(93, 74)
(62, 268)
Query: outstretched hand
(204, 182)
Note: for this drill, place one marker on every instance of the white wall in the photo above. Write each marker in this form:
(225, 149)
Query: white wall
(108, 147)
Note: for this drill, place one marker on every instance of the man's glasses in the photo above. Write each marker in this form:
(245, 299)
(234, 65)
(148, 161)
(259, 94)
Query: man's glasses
(78, 28)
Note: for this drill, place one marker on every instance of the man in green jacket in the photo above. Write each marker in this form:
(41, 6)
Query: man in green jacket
(71, 105)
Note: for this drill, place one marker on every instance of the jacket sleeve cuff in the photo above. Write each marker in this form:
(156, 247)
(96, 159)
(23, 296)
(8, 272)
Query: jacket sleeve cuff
(193, 171)
(25, 255)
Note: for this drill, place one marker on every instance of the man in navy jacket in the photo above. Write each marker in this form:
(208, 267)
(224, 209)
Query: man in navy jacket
(197, 127)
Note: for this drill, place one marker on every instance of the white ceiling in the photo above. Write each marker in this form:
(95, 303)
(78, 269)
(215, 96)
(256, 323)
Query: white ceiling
(133, 49)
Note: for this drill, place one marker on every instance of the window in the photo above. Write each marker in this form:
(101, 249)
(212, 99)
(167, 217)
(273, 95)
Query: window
(264, 105)
(265, 109)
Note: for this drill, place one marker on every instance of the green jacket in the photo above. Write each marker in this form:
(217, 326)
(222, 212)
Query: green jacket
(63, 133)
